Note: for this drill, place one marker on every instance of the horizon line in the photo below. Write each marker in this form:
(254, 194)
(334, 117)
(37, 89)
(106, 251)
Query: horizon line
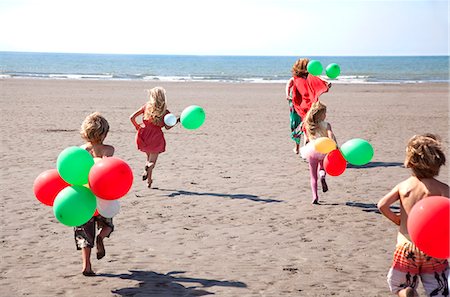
(223, 55)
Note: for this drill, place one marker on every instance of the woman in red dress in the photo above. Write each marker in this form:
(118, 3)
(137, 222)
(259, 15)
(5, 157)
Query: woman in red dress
(306, 88)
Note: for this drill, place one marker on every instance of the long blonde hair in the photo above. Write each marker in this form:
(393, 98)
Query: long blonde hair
(156, 107)
(315, 115)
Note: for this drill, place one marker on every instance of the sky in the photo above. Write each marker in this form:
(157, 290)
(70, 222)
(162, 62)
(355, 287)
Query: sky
(231, 27)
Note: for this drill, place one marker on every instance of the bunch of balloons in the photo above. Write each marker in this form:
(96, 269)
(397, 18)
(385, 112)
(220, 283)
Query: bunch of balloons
(429, 226)
(355, 151)
(192, 117)
(315, 68)
(82, 186)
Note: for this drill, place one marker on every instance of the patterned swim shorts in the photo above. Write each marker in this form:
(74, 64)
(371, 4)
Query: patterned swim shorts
(410, 263)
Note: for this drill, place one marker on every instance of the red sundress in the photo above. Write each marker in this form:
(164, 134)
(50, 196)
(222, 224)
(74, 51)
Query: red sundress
(150, 138)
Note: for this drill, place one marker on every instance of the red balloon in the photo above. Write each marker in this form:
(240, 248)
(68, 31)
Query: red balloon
(334, 163)
(429, 226)
(110, 178)
(47, 186)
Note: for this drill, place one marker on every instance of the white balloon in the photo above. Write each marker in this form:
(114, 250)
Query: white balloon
(108, 208)
(170, 119)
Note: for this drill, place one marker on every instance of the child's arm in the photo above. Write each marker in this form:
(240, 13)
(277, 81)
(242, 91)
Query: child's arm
(170, 127)
(385, 203)
(330, 133)
(134, 116)
(306, 135)
(289, 86)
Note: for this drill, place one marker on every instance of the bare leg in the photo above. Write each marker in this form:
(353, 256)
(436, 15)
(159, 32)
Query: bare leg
(86, 256)
(313, 165)
(151, 162)
(106, 230)
(296, 148)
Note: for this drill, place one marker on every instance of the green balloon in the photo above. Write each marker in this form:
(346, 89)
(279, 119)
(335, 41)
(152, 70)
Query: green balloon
(192, 117)
(73, 165)
(314, 67)
(333, 70)
(74, 205)
(357, 151)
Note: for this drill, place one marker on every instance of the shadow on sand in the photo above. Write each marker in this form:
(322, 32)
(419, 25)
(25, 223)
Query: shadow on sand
(369, 207)
(230, 196)
(376, 164)
(158, 284)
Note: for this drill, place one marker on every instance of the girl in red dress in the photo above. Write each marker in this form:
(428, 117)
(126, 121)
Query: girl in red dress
(149, 136)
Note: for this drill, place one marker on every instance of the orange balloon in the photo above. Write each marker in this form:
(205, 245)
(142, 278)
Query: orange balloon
(324, 145)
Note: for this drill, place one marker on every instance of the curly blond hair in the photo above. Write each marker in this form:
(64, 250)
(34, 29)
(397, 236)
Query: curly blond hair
(299, 68)
(424, 155)
(156, 107)
(315, 115)
(94, 128)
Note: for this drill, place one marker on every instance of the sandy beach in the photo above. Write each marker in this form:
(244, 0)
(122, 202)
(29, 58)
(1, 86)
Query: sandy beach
(230, 214)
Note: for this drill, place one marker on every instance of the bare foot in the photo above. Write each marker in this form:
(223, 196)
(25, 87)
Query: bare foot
(149, 183)
(88, 273)
(295, 150)
(407, 292)
(145, 174)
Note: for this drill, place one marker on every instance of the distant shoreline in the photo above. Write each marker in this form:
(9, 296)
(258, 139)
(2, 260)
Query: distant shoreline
(229, 69)
(5, 77)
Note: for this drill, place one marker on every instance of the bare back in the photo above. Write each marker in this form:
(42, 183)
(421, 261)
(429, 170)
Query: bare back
(99, 150)
(413, 190)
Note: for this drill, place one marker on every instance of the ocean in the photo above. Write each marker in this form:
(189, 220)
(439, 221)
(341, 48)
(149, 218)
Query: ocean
(233, 69)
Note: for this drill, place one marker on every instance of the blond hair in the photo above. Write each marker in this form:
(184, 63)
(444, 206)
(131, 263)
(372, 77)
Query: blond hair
(156, 107)
(315, 115)
(94, 128)
(300, 68)
(424, 155)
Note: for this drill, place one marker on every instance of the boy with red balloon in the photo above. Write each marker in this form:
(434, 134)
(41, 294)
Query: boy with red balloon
(423, 238)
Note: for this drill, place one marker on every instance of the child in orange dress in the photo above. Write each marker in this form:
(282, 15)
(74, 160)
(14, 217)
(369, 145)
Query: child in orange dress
(150, 137)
